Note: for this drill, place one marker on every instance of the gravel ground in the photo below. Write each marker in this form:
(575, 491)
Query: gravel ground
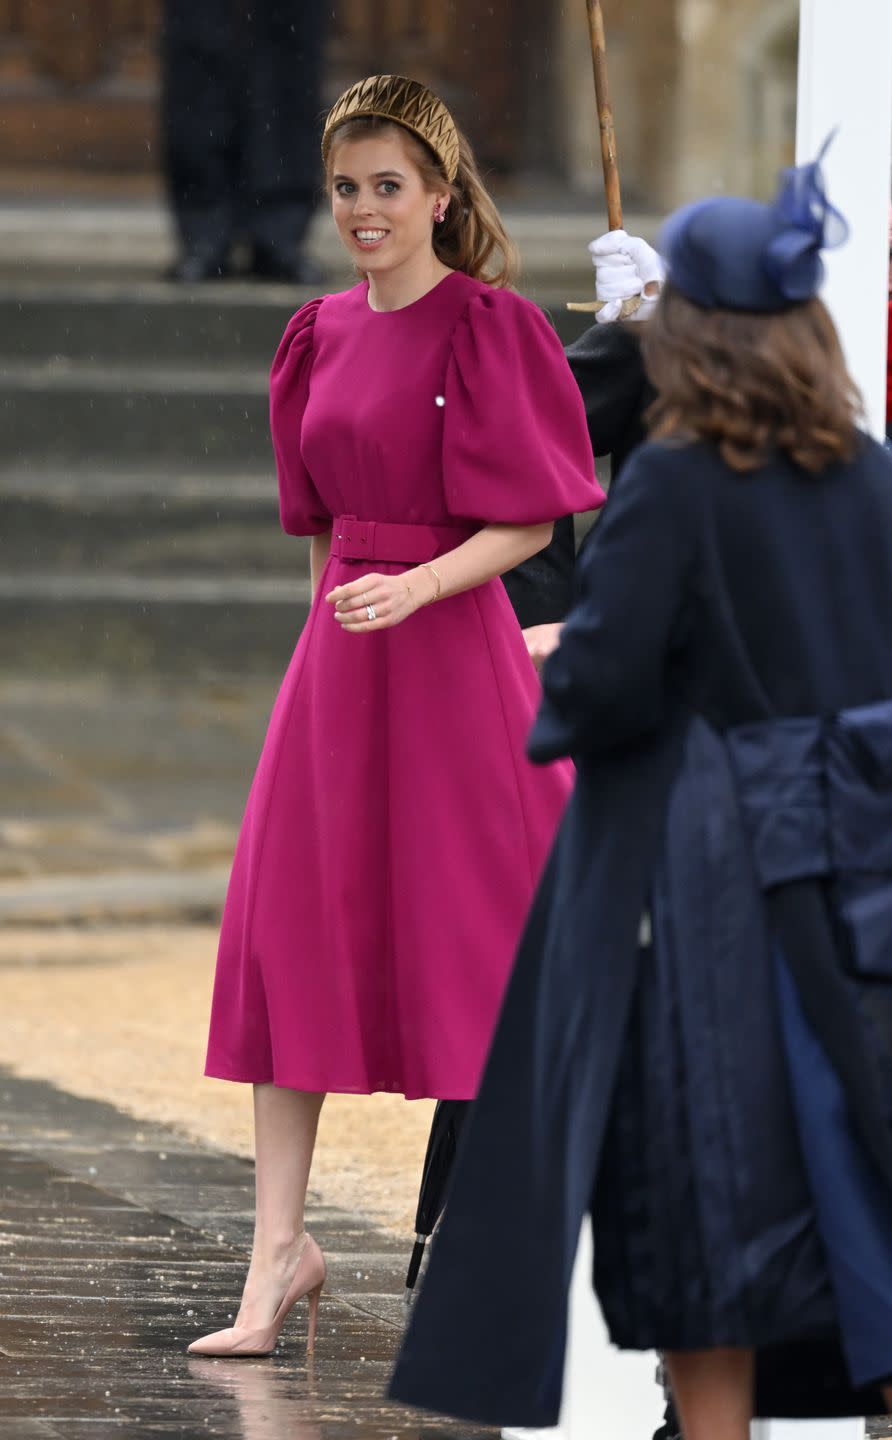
(120, 1014)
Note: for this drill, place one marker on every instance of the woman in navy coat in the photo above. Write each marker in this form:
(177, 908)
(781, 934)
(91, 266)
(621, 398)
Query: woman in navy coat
(696, 1045)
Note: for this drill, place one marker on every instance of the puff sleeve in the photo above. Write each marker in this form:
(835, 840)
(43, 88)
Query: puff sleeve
(515, 444)
(300, 508)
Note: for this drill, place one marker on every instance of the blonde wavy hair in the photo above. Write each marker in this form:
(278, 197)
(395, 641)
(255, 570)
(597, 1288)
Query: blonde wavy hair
(472, 238)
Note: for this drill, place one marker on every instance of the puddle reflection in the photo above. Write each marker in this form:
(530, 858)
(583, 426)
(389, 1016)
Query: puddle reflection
(264, 1397)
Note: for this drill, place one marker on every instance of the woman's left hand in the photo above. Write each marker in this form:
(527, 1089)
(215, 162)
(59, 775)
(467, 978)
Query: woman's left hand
(375, 602)
(542, 641)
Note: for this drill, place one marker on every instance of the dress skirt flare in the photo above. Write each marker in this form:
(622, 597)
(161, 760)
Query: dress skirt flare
(736, 1202)
(395, 830)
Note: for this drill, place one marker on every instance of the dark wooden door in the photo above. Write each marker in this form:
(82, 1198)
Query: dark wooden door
(78, 85)
(484, 59)
(79, 79)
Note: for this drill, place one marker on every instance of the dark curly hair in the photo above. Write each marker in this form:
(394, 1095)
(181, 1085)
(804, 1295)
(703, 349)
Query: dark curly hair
(751, 384)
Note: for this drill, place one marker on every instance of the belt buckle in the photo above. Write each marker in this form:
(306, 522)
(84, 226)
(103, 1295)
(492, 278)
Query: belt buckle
(355, 537)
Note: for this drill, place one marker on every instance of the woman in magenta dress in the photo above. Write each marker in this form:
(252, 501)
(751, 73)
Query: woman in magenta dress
(427, 433)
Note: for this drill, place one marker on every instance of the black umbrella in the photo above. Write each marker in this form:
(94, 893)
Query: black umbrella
(438, 1161)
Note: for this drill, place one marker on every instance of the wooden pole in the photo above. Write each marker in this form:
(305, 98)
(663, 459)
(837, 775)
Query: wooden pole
(605, 115)
(609, 162)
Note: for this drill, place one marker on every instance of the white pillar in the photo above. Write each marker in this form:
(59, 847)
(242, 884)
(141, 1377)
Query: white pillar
(845, 83)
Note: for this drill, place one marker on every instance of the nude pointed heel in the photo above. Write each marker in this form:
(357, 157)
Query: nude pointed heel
(307, 1281)
(313, 1299)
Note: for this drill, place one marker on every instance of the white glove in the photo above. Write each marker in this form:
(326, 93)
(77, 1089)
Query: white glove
(624, 265)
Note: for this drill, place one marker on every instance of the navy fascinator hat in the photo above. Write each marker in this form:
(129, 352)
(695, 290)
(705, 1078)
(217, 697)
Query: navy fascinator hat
(729, 253)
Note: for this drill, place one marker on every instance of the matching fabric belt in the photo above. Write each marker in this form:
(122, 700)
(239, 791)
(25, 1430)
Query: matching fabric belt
(353, 539)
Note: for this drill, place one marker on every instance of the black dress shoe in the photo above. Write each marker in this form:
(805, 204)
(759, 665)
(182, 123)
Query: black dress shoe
(287, 267)
(197, 266)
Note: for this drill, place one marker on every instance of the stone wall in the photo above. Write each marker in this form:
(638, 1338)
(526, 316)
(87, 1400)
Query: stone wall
(704, 95)
(703, 90)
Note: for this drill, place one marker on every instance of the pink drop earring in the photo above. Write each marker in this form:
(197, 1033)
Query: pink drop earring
(440, 214)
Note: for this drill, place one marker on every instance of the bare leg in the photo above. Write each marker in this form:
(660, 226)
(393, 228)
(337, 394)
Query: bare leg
(285, 1124)
(713, 1392)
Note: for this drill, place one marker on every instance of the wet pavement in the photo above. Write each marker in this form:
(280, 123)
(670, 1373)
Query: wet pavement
(120, 1241)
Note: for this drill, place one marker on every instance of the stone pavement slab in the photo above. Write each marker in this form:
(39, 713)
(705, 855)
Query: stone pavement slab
(119, 1241)
(123, 798)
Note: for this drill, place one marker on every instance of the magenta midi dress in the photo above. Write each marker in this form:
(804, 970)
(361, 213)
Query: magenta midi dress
(395, 829)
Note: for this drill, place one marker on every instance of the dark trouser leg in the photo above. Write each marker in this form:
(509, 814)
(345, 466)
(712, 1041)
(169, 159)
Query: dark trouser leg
(281, 122)
(197, 119)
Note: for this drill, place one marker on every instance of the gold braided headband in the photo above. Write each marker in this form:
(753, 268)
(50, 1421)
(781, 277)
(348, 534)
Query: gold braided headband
(405, 102)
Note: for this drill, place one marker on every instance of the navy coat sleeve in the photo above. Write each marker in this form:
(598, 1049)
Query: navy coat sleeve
(609, 681)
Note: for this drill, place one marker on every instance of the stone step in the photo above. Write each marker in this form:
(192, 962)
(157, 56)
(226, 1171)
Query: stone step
(173, 629)
(111, 416)
(119, 571)
(148, 376)
(130, 896)
(133, 239)
(87, 527)
(113, 587)
(152, 413)
(93, 485)
(152, 325)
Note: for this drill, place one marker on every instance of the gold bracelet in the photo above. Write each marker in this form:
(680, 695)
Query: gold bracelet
(436, 574)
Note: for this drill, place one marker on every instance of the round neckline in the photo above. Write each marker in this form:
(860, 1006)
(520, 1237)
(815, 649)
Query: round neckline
(413, 304)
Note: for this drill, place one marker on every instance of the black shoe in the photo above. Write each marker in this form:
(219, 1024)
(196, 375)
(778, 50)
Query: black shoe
(195, 267)
(287, 267)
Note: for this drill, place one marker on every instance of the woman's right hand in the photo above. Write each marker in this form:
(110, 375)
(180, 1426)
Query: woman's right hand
(541, 640)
